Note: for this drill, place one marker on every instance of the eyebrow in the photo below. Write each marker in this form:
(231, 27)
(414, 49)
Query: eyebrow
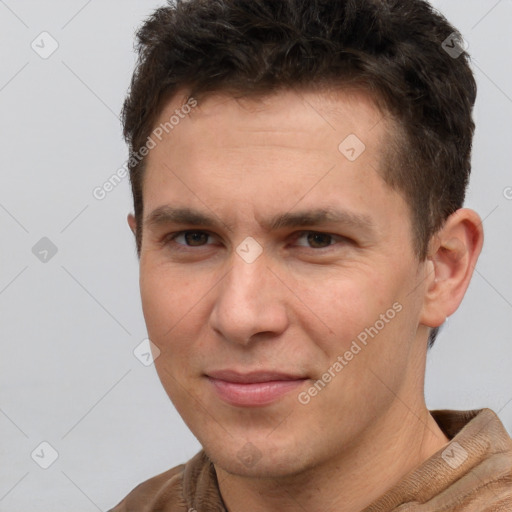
(167, 214)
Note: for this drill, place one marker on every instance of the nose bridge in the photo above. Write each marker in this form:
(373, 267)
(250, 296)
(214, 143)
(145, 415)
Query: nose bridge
(247, 281)
(246, 301)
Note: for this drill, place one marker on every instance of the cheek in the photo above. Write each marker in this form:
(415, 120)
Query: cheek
(173, 314)
(344, 306)
(167, 299)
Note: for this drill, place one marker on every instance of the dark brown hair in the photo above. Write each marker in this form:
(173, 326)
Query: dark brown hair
(402, 51)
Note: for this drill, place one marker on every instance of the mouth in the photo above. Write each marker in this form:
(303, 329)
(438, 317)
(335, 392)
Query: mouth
(253, 389)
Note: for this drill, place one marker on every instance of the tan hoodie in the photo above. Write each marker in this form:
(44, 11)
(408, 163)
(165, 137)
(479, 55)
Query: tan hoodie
(473, 473)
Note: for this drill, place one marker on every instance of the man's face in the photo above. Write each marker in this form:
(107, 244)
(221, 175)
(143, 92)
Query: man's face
(276, 305)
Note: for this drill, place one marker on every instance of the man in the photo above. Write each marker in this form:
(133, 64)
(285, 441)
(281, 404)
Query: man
(299, 170)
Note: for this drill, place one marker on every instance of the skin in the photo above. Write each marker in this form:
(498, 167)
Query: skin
(301, 303)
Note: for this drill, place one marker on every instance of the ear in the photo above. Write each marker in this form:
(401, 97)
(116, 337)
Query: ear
(453, 255)
(132, 223)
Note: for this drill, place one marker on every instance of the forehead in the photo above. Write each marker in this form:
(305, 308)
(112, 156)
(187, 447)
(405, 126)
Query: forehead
(271, 153)
(285, 124)
(329, 105)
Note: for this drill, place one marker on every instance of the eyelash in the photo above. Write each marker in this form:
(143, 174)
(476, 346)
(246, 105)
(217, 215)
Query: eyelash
(170, 239)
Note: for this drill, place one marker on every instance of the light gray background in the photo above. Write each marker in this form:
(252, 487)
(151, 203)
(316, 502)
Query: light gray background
(68, 375)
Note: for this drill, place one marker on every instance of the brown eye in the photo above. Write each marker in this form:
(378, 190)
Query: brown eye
(196, 238)
(319, 240)
(191, 238)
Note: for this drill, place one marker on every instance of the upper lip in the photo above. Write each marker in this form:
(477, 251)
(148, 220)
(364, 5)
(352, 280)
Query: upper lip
(252, 377)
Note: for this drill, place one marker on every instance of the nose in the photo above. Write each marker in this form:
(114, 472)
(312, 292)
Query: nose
(250, 301)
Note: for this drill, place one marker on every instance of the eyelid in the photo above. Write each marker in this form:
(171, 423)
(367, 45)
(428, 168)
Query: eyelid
(334, 236)
(171, 237)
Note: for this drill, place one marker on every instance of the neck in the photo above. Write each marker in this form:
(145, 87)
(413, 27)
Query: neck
(353, 478)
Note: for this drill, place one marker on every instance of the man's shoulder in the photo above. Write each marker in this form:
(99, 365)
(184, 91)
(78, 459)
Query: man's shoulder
(189, 486)
(472, 472)
(163, 492)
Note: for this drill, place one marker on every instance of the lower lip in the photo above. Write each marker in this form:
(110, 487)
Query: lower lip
(253, 394)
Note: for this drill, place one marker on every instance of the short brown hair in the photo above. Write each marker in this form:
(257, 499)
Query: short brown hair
(395, 49)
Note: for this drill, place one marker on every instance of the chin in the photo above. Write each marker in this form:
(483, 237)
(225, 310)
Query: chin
(261, 460)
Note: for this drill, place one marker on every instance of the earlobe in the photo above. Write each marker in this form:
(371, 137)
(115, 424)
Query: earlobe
(132, 223)
(454, 254)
